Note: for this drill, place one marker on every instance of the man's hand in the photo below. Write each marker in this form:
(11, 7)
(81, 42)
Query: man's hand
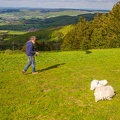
(36, 53)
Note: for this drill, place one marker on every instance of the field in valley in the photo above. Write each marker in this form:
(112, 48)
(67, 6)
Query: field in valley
(61, 90)
(27, 19)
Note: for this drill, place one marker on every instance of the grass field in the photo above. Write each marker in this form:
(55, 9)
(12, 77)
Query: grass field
(10, 32)
(61, 90)
(64, 31)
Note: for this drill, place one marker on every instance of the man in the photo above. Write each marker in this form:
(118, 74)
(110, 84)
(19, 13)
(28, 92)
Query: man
(30, 51)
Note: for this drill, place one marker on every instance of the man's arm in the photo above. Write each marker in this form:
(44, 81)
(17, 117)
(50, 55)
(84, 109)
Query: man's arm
(31, 49)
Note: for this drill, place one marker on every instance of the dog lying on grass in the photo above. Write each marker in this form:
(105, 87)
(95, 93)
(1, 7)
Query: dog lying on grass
(102, 90)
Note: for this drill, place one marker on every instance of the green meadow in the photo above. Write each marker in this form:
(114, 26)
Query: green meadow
(61, 90)
(10, 32)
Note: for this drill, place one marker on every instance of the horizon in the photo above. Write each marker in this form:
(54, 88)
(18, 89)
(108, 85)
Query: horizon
(54, 8)
(61, 4)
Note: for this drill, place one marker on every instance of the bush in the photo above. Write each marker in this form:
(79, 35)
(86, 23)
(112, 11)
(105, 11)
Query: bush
(1, 51)
(18, 51)
(23, 48)
(8, 51)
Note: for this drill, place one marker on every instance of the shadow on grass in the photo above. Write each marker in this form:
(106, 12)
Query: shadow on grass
(51, 67)
(88, 52)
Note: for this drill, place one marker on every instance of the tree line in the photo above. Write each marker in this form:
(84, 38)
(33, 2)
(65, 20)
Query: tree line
(102, 32)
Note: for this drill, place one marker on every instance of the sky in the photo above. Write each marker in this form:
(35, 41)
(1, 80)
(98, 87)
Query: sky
(76, 4)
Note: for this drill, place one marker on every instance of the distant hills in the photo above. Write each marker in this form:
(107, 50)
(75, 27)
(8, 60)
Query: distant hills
(50, 26)
(48, 9)
(27, 18)
(28, 13)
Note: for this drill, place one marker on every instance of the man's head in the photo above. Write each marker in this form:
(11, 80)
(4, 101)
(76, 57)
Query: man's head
(33, 39)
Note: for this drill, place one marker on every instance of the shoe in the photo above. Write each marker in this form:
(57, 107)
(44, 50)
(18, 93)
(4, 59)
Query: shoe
(34, 72)
(23, 72)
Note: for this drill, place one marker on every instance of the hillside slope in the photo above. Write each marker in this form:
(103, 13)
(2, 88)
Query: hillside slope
(61, 90)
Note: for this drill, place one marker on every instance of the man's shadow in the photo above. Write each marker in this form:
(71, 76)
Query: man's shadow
(51, 67)
(88, 52)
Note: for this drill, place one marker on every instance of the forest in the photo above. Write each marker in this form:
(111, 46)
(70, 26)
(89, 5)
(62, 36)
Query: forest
(102, 32)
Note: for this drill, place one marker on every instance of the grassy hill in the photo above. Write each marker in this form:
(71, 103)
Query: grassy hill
(60, 32)
(55, 34)
(36, 23)
(22, 13)
(61, 90)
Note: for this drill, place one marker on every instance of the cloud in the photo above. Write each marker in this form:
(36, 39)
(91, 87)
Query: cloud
(103, 0)
(58, 1)
(96, 4)
(61, 0)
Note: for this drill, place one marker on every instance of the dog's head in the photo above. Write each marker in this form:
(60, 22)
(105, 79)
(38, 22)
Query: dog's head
(97, 83)
(94, 84)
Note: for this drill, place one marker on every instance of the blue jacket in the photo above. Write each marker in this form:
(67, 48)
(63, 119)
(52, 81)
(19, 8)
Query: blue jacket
(30, 51)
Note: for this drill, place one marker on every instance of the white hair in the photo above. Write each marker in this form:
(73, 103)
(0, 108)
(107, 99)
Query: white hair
(102, 90)
(97, 83)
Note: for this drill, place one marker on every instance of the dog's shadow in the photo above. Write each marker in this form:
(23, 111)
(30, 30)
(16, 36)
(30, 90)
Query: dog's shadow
(50, 67)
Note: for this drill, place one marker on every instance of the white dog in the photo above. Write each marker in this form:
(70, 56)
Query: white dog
(102, 90)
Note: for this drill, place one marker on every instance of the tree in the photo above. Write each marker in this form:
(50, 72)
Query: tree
(76, 38)
(102, 32)
(114, 26)
(99, 33)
